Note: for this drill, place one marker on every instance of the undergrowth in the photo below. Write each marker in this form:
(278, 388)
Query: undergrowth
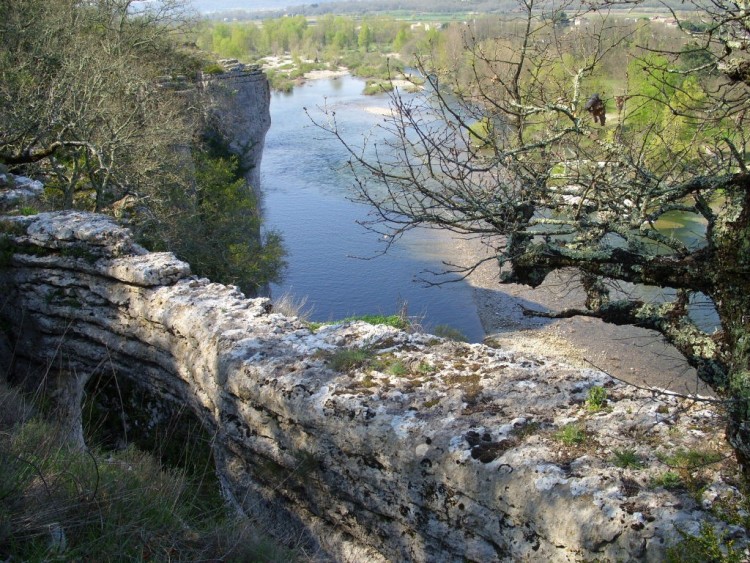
(59, 504)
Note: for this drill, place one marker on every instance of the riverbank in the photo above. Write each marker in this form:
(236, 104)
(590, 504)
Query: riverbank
(635, 355)
(629, 353)
(295, 76)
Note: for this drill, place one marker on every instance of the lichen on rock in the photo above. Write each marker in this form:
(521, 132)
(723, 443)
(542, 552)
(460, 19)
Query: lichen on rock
(460, 453)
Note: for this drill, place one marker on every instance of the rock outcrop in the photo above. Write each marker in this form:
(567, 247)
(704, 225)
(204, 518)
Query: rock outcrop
(240, 101)
(366, 441)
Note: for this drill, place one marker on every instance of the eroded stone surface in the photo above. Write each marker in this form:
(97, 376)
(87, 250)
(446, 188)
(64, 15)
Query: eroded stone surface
(429, 451)
(17, 190)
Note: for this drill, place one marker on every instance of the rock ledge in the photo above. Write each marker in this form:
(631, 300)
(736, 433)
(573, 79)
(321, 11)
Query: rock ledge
(420, 449)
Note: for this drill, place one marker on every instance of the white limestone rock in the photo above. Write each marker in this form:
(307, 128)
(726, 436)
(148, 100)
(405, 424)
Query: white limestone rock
(453, 457)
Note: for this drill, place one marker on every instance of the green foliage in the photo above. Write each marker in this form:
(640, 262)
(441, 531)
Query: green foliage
(596, 398)
(649, 80)
(445, 331)
(691, 460)
(214, 68)
(335, 39)
(571, 434)
(218, 229)
(398, 369)
(425, 368)
(627, 458)
(365, 37)
(373, 88)
(667, 480)
(694, 56)
(372, 65)
(120, 136)
(348, 359)
(706, 546)
(27, 210)
(280, 81)
(58, 504)
(396, 321)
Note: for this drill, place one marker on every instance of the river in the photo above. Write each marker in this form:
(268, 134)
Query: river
(333, 262)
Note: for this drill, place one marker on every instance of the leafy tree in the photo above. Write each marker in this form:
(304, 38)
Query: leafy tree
(402, 37)
(548, 189)
(214, 226)
(365, 37)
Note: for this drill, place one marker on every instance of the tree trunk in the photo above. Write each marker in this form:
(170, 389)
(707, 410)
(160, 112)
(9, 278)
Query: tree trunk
(730, 238)
(733, 305)
(66, 397)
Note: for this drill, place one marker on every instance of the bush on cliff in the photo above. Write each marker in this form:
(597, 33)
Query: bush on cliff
(215, 227)
(95, 100)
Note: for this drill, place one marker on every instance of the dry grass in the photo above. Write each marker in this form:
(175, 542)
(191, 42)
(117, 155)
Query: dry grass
(58, 504)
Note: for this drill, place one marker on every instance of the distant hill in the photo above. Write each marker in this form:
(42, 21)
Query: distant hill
(213, 6)
(236, 8)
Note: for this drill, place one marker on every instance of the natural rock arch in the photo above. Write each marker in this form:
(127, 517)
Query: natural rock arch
(453, 457)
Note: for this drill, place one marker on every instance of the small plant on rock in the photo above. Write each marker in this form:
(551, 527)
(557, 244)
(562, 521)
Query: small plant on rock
(691, 459)
(596, 399)
(667, 480)
(426, 369)
(348, 359)
(398, 369)
(571, 434)
(627, 458)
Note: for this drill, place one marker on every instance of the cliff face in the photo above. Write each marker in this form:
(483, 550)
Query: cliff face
(417, 449)
(239, 101)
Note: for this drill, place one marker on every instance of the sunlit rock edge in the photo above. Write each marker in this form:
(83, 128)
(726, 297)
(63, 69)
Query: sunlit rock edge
(452, 456)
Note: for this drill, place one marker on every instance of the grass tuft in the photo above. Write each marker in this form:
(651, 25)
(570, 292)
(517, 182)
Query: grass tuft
(348, 359)
(58, 504)
(596, 399)
(291, 306)
(627, 458)
(571, 434)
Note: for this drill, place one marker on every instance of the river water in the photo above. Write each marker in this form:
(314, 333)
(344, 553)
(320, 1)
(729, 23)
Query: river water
(333, 262)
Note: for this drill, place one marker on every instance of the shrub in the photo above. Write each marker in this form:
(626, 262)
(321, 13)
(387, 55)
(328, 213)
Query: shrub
(571, 434)
(706, 546)
(596, 399)
(627, 458)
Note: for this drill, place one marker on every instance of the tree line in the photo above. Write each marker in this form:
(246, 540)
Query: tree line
(324, 38)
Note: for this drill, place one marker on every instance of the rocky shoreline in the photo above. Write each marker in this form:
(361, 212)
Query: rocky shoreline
(629, 353)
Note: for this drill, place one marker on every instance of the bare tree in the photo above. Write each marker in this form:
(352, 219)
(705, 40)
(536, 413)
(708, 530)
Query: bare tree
(82, 92)
(501, 146)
